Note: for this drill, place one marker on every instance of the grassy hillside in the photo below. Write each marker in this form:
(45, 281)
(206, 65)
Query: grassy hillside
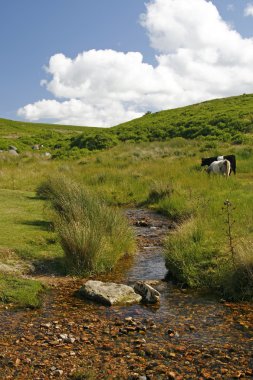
(225, 119)
(228, 120)
(54, 138)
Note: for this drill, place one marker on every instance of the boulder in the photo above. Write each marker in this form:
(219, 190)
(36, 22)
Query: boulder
(13, 152)
(149, 294)
(109, 293)
(47, 155)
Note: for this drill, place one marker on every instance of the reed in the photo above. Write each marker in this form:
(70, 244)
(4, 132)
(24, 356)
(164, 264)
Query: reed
(93, 235)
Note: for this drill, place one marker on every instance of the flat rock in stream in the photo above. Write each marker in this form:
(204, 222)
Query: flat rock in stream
(109, 293)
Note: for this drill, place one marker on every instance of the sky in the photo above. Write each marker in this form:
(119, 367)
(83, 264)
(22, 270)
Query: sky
(103, 62)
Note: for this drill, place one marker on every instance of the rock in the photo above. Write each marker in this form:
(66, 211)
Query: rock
(13, 152)
(109, 293)
(149, 294)
(142, 223)
(46, 325)
(12, 147)
(58, 372)
(47, 155)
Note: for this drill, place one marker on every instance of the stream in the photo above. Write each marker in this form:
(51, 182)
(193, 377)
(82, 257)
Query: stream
(208, 318)
(183, 318)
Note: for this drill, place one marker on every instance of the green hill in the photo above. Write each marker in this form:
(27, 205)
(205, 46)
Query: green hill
(54, 138)
(229, 119)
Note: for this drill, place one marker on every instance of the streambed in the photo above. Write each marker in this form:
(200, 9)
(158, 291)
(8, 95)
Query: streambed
(187, 336)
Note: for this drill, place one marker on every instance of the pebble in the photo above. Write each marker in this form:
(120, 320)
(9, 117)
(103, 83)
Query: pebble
(46, 325)
(58, 372)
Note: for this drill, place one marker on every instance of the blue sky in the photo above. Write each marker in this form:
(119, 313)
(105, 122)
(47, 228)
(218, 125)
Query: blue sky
(69, 62)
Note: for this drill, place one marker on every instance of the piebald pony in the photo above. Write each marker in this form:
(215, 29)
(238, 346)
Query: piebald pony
(220, 167)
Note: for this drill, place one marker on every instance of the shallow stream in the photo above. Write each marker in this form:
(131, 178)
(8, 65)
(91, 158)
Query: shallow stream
(188, 315)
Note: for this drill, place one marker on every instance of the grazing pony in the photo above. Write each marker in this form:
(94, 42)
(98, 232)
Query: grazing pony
(230, 158)
(219, 167)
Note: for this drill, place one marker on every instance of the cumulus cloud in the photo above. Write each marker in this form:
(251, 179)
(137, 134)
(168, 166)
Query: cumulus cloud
(248, 11)
(199, 57)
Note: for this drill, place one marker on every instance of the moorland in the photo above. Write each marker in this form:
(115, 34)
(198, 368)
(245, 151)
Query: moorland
(64, 193)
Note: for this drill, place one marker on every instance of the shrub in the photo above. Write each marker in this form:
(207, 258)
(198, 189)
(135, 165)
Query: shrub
(93, 235)
(94, 142)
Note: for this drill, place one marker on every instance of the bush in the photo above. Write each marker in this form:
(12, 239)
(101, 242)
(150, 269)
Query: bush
(94, 142)
(93, 235)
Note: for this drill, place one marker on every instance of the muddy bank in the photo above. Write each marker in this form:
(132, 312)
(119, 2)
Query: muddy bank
(186, 337)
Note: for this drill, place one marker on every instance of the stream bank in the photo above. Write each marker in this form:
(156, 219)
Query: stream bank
(186, 337)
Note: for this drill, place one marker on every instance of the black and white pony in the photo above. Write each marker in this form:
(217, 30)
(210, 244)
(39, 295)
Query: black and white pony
(222, 167)
(230, 158)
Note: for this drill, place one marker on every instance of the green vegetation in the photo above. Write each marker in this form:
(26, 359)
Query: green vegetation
(93, 235)
(22, 292)
(228, 119)
(208, 250)
(93, 172)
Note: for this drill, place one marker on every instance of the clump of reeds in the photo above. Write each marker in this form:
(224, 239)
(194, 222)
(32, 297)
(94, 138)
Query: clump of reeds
(206, 255)
(93, 235)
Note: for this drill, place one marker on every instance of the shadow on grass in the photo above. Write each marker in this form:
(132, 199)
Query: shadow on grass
(50, 266)
(42, 224)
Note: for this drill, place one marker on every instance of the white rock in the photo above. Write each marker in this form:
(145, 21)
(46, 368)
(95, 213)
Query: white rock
(109, 293)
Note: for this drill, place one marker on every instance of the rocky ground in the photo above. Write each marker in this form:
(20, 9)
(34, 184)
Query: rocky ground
(68, 338)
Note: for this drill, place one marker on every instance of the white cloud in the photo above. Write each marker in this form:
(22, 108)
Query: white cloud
(248, 11)
(199, 57)
(77, 112)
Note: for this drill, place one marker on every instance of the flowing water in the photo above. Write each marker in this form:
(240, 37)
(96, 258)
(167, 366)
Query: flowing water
(187, 314)
(208, 318)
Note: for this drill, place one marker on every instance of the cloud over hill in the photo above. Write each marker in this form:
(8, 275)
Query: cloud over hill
(199, 57)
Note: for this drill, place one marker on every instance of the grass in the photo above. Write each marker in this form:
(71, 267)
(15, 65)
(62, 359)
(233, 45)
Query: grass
(229, 119)
(93, 235)
(205, 251)
(163, 175)
(24, 225)
(22, 292)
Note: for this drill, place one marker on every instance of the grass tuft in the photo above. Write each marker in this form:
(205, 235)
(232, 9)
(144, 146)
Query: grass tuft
(93, 235)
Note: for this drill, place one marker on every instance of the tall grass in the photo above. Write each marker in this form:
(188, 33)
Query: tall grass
(163, 175)
(93, 235)
(208, 251)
